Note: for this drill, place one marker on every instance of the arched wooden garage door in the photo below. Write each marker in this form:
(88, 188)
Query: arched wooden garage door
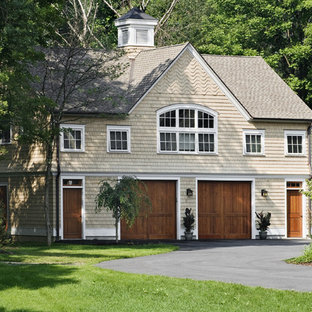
(224, 210)
(160, 222)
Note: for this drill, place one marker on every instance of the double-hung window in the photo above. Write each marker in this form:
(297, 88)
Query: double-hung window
(295, 143)
(118, 139)
(253, 142)
(72, 138)
(187, 129)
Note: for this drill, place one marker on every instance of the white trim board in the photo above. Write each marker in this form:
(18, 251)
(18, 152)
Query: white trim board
(183, 174)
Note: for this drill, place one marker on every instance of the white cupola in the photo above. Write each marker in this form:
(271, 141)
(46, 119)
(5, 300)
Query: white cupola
(136, 29)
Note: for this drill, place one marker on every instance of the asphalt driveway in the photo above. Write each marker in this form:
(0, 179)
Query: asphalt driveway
(247, 262)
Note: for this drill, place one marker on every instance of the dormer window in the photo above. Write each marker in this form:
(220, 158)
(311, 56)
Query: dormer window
(190, 129)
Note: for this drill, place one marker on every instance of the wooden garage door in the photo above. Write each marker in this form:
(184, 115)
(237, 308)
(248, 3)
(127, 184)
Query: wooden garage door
(160, 222)
(224, 210)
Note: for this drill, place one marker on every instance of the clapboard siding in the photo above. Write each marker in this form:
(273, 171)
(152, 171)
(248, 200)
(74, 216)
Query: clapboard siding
(101, 219)
(26, 198)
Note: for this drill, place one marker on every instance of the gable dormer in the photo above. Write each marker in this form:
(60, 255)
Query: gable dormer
(136, 29)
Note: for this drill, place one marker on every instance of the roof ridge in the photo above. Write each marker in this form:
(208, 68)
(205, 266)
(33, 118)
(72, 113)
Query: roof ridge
(165, 47)
(238, 56)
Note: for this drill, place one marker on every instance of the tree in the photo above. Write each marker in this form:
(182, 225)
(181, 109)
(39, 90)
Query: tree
(124, 199)
(68, 79)
(37, 85)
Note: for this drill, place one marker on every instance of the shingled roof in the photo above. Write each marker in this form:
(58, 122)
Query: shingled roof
(258, 89)
(136, 13)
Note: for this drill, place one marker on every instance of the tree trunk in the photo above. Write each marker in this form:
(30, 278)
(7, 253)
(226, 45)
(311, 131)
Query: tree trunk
(116, 228)
(49, 155)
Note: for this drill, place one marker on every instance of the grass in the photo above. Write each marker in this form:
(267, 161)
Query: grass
(78, 254)
(306, 258)
(84, 287)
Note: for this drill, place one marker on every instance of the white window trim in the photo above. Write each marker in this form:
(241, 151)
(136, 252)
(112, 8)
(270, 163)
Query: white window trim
(119, 128)
(295, 133)
(254, 132)
(194, 130)
(73, 127)
(11, 135)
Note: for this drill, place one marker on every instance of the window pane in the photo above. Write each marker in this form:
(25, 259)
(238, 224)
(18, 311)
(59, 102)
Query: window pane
(187, 142)
(186, 118)
(118, 140)
(66, 143)
(253, 143)
(78, 144)
(294, 144)
(78, 134)
(167, 119)
(206, 142)
(167, 141)
(118, 145)
(205, 120)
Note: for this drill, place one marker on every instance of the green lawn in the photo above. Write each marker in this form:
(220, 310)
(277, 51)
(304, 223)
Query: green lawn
(79, 254)
(306, 258)
(83, 287)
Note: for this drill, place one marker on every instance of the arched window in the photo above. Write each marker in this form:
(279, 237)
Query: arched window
(187, 129)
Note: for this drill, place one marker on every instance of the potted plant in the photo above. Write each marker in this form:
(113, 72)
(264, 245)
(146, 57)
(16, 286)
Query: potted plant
(188, 222)
(263, 223)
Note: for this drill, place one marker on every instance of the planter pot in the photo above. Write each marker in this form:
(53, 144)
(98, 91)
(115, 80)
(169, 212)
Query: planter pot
(263, 234)
(188, 235)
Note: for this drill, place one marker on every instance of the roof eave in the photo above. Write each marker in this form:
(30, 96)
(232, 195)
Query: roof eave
(268, 119)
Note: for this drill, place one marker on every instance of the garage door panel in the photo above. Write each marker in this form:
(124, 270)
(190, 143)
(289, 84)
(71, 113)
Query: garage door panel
(160, 221)
(237, 226)
(231, 205)
(211, 227)
(137, 230)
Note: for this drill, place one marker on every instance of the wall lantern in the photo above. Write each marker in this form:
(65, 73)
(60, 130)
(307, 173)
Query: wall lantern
(189, 192)
(264, 193)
